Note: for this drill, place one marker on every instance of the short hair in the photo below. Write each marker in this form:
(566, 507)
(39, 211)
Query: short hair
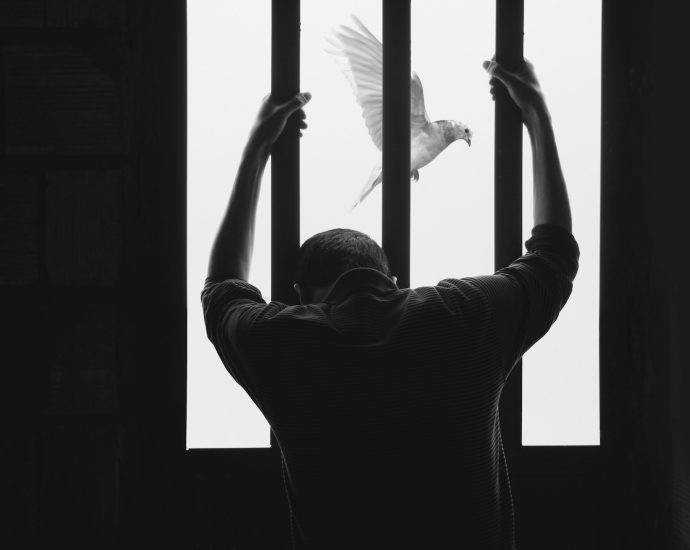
(327, 255)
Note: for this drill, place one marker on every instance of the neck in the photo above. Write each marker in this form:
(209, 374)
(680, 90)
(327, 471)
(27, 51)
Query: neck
(449, 129)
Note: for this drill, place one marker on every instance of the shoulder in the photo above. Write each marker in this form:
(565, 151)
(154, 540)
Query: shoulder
(463, 296)
(229, 289)
(233, 306)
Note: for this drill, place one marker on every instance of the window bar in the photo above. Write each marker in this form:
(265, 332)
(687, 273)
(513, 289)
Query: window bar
(396, 138)
(285, 196)
(508, 191)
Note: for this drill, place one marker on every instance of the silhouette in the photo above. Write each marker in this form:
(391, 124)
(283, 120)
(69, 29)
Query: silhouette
(360, 56)
(384, 400)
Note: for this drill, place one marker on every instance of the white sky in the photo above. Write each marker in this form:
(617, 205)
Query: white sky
(452, 203)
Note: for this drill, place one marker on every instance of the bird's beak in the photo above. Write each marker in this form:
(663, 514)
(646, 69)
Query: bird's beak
(469, 142)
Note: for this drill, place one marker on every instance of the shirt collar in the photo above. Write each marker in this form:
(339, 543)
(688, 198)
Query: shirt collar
(360, 279)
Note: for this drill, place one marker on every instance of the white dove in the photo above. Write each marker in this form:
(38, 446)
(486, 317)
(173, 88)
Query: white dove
(360, 56)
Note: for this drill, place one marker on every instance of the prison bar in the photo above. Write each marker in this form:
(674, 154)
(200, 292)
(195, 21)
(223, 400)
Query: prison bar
(395, 209)
(285, 196)
(508, 193)
(285, 192)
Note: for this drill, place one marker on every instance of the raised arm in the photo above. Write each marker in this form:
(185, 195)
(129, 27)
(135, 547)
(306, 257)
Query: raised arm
(551, 205)
(232, 249)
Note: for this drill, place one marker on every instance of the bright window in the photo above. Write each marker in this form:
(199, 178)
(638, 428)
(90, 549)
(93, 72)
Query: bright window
(560, 383)
(452, 203)
(227, 75)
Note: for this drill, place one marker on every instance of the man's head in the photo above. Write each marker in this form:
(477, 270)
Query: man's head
(327, 255)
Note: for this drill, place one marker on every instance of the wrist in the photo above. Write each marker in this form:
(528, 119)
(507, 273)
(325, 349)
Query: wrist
(256, 150)
(537, 113)
(538, 122)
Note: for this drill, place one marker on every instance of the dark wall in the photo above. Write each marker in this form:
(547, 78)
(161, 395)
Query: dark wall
(92, 171)
(645, 415)
(92, 278)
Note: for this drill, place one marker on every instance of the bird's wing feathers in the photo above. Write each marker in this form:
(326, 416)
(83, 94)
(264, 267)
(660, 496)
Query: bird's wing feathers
(418, 114)
(360, 56)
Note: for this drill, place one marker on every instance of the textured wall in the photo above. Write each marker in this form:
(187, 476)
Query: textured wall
(92, 301)
(61, 236)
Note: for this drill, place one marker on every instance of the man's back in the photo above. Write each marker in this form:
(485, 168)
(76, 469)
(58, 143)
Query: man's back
(385, 401)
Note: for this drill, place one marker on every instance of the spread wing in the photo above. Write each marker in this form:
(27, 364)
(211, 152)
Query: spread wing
(360, 56)
(418, 114)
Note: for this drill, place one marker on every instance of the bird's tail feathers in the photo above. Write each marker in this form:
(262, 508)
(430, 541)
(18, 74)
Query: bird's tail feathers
(372, 182)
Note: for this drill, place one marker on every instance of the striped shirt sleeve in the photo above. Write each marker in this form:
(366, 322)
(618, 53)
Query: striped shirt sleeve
(230, 308)
(527, 296)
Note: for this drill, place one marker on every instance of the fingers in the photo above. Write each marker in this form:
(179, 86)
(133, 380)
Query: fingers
(497, 71)
(301, 116)
(294, 107)
(296, 102)
(492, 87)
(302, 123)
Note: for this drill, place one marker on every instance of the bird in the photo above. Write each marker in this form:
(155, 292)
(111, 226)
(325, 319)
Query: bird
(359, 54)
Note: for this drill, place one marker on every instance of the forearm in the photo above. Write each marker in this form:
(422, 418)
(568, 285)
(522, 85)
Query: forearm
(551, 204)
(231, 253)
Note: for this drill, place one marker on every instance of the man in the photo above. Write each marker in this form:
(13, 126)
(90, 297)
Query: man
(384, 401)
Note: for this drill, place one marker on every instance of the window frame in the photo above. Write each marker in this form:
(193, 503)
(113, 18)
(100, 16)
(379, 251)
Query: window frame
(528, 464)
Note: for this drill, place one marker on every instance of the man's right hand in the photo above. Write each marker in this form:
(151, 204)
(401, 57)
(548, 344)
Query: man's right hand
(272, 118)
(522, 85)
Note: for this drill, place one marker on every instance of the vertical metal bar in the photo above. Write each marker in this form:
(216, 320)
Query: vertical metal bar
(508, 191)
(285, 73)
(396, 137)
(285, 222)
